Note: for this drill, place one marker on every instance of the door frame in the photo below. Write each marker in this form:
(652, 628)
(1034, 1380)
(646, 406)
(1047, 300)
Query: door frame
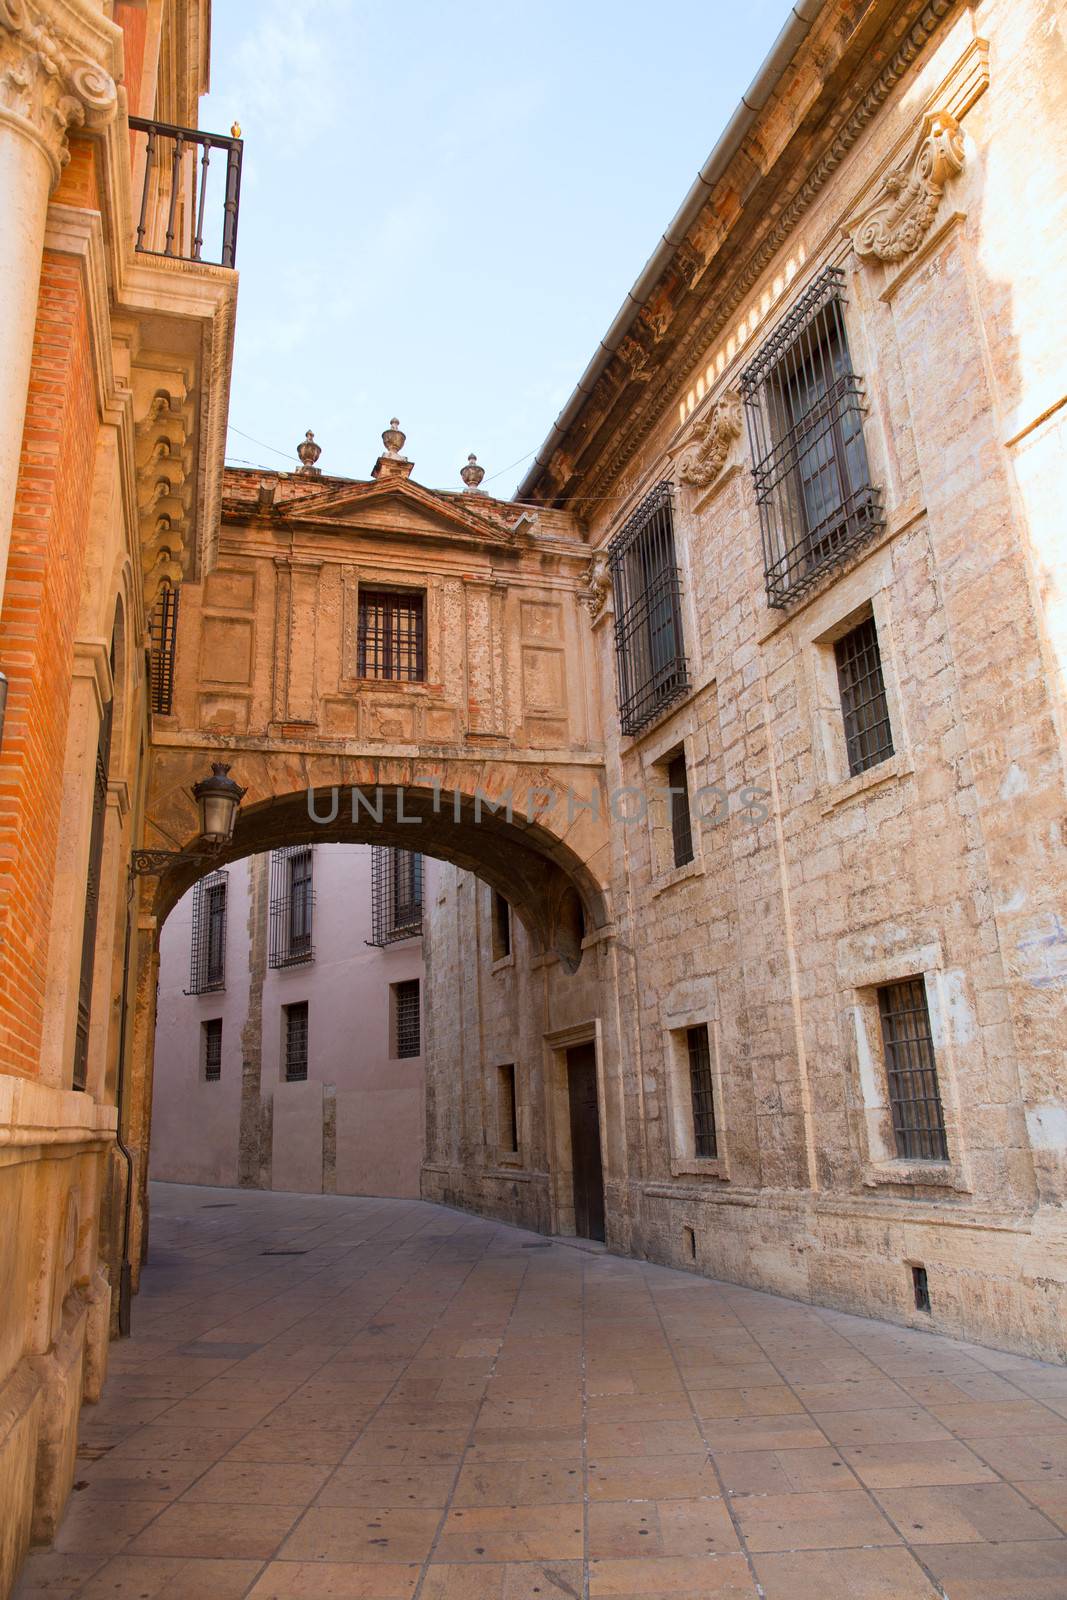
(558, 1122)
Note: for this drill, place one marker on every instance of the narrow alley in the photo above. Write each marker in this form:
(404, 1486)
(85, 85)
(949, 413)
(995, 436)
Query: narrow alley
(333, 1398)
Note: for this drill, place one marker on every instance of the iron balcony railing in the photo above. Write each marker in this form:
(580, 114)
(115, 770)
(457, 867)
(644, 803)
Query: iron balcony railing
(182, 192)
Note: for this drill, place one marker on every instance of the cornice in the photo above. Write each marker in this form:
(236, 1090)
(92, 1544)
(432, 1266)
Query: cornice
(643, 407)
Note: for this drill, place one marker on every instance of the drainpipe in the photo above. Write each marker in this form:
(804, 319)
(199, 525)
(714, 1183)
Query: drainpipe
(125, 1270)
(799, 24)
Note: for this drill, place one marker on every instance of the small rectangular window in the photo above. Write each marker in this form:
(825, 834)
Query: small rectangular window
(292, 901)
(396, 894)
(868, 735)
(649, 648)
(681, 819)
(501, 927)
(211, 1045)
(296, 1041)
(207, 960)
(407, 1020)
(804, 407)
(911, 1071)
(391, 635)
(507, 1109)
(702, 1096)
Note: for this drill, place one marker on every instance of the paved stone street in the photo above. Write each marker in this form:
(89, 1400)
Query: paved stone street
(344, 1399)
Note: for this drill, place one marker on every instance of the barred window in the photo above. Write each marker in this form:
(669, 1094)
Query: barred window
(407, 1021)
(649, 648)
(396, 894)
(507, 1109)
(292, 901)
(207, 963)
(296, 1041)
(701, 1093)
(211, 1049)
(681, 819)
(391, 635)
(501, 927)
(911, 1071)
(868, 736)
(804, 407)
(163, 636)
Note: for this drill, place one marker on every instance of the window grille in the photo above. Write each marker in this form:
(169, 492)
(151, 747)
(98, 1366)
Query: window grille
(501, 927)
(911, 1070)
(407, 1022)
(681, 820)
(507, 1109)
(212, 1048)
(391, 635)
(649, 648)
(296, 1041)
(207, 964)
(868, 736)
(292, 901)
(164, 634)
(705, 1143)
(396, 895)
(804, 406)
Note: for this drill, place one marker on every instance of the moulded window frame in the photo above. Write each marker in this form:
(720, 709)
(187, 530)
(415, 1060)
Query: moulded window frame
(684, 1160)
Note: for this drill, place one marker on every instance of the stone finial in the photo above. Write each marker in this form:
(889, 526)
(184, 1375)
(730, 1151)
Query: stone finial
(393, 439)
(309, 452)
(391, 464)
(472, 475)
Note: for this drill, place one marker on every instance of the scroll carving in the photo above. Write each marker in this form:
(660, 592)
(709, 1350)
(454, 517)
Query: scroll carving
(712, 440)
(46, 85)
(907, 204)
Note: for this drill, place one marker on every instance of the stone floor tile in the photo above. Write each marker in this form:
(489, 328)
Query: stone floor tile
(650, 1528)
(519, 1483)
(55, 1572)
(1025, 1455)
(258, 1483)
(853, 1394)
(1000, 1572)
(514, 1580)
(959, 1513)
(897, 1466)
(336, 1580)
(240, 1532)
(887, 1574)
(525, 1444)
(511, 1533)
(88, 1530)
(676, 1477)
(763, 1433)
(164, 1442)
(420, 1483)
(783, 1471)
(889, 1426)
(161, 1481)
(840, 1519)
(1001, 1418)
(170, 1578)
(766, 1400)
(639, 1408)
(1049, 1495)
(644, 1438)
(673, 1578)
(310, 1446)
(398, 1534)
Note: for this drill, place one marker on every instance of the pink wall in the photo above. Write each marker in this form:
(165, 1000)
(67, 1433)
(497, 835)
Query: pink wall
(377, 1099)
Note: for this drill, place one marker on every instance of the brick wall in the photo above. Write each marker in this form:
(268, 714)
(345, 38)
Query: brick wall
(37, 629)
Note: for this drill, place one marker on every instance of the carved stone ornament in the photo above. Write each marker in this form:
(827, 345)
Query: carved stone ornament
(712, 440)
(598, 585)
(46, 86)
(636, 359)
(309, 452)
(472, 475)
(907, 203)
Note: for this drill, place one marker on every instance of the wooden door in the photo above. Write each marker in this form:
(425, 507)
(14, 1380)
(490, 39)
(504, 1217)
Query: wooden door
(585, 1142)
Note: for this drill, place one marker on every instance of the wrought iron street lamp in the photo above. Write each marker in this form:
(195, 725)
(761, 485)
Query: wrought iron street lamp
(218, 799)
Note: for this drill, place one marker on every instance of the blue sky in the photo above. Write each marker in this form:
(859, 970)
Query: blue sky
(444, 205)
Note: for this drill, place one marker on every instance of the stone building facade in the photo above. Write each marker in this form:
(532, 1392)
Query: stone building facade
(115, 348)
(289, 1024)
(816, 461)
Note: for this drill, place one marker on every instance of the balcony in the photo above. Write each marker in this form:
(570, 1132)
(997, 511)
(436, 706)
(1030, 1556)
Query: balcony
(183, 192)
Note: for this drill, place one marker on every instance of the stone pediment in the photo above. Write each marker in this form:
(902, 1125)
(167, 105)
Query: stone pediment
(398, 506)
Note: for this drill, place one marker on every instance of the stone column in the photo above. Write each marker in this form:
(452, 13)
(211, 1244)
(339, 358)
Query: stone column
(51, 80)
